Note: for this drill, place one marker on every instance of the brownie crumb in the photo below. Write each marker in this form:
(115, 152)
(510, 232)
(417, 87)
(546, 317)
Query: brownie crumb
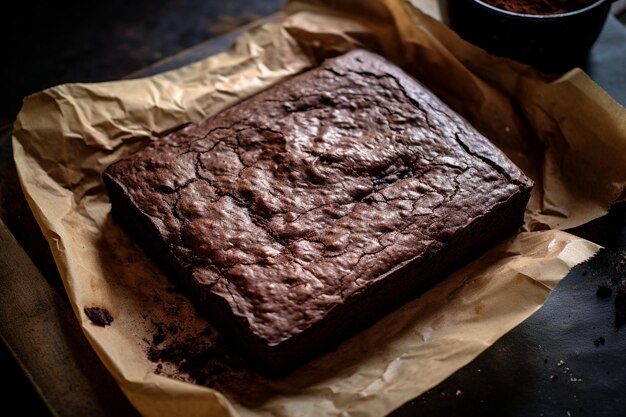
(159, 369)
(604, 291)
(202, 356)
(553, 377)
(599, 341)
(99, 316)
(620, 306)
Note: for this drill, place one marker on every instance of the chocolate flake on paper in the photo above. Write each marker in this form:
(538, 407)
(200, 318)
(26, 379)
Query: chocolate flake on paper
(99, 316)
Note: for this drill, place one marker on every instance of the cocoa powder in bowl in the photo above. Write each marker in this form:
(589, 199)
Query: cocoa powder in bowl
(540, 6)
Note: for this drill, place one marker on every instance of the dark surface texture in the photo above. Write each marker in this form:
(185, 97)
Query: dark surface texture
(49, 43)
(606, 62)
(502, 393)
(287, 215)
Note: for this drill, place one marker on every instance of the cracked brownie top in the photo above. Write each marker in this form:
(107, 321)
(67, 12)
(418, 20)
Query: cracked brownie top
(293, 201)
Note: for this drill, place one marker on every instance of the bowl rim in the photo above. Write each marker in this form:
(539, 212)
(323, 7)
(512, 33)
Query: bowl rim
(528, 16)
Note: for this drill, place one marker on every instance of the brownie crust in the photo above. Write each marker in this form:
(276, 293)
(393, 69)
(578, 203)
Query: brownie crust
(308, 211)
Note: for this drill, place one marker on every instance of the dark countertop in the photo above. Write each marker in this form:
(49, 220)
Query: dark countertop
(72, 41)
(49, 43)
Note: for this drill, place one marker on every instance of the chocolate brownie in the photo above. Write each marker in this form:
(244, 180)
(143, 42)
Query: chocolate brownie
(308, 211)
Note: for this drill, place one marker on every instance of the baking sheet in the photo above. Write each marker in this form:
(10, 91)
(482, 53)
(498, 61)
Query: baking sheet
(567, 134)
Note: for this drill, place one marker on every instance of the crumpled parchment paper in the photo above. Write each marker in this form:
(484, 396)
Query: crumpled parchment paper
(566, 133)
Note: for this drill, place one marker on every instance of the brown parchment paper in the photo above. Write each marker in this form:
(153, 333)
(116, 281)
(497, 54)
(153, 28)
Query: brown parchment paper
(566, 133)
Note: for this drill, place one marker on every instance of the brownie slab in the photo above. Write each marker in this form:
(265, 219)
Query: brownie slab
(308, 211)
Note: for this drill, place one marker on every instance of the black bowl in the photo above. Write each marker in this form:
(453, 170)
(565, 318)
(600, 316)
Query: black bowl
(550, 43)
